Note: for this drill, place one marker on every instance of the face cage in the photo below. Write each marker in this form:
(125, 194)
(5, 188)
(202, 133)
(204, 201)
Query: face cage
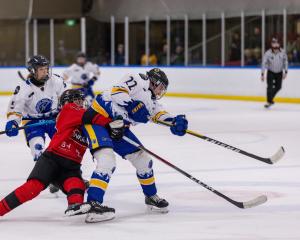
(74, 99)
(155, 86)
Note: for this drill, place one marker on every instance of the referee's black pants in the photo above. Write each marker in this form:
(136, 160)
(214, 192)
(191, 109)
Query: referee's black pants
(274, 82)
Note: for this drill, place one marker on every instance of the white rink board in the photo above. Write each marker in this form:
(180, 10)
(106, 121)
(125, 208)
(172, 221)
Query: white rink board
(195, 213)
(222, 81)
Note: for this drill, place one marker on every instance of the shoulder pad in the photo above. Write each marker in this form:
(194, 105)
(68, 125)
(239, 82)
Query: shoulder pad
(143, 76)
(17, 90)
(57, 75)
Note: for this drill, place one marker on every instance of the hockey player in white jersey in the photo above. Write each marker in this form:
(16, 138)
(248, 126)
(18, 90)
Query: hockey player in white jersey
(135, 98)
(35, 99)
(83, 74)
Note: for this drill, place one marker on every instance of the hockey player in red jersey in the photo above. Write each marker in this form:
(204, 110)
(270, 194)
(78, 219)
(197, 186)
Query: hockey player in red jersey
(61, 162)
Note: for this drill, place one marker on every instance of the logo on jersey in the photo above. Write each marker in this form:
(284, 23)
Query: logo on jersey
(84, 76)
(78, 137)
(44, 105)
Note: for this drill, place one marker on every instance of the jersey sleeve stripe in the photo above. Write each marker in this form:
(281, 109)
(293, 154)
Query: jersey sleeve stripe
(96, 106)
(117, 90)
(91, 136)
(14, 113)
(158, 115)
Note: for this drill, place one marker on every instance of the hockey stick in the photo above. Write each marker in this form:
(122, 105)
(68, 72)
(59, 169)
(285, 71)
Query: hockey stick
(249, 204)
(24, 79)
(21, 76)
(273, 159)
(52, 114)
(44, 122)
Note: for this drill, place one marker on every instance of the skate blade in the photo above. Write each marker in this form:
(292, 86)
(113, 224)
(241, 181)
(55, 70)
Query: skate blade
(97, 217)
(153, 209)
(82, 210)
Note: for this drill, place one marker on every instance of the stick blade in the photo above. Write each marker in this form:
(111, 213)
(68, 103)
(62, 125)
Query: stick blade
(255, 202)
(278, 155)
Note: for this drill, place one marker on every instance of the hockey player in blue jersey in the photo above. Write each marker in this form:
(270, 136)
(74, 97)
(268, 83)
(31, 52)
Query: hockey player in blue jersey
(135, 99)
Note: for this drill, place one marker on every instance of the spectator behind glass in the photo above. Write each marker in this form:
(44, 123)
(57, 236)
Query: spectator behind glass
(152, 59)
(255, 39)
(162, 57)
(257, 55)
(249, 57)
(120, 56)
(235, 47)
(178, 57)
(292, 52)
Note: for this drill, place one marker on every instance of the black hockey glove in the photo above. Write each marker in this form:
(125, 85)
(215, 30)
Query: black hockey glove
(116, 128)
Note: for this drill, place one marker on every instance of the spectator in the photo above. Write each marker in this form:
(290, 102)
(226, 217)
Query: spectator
(120, 56)
(178, 57)
(255, 40)
(249, 57)
(257, 55)
(235, 48)
(162, 57)
(152, 59)
(292, 52)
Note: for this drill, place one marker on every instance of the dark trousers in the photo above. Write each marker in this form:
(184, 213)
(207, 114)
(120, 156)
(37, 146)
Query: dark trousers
(274, 82)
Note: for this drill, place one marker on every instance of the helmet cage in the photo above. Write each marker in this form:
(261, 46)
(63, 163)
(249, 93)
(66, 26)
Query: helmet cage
(157, 87)
(72, 95)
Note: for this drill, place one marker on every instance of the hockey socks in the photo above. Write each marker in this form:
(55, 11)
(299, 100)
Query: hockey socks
(147, 182)
(22, 194)
(74, 188)
(98, 186)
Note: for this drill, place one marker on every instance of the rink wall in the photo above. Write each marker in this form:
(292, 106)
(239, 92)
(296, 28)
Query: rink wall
(212, 82)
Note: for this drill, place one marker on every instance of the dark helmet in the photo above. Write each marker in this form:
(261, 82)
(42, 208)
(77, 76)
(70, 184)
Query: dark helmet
(158, 79)
(34, 63)
(71, 95)
(81, 54)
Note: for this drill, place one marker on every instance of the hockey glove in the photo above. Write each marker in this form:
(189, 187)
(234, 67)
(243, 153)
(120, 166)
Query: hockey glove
(116, 128)
(180, 125)
(11, 128)
(90, 82)
(137, 111)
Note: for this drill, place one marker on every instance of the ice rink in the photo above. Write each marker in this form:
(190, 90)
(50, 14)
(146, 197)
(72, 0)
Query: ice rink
(195, 213)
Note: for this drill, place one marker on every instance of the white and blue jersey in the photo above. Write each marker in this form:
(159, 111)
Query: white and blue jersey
(111, 103)
(81, 77)
(30, 101)
(134, 87)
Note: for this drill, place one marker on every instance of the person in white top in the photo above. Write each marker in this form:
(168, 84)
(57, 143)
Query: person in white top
(83, 74)
(34, 100)
(275, 60)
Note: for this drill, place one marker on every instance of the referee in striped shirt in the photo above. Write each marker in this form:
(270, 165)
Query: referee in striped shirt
(276, 62)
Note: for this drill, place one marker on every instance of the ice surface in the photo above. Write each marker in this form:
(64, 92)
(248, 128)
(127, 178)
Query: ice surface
(195, 213)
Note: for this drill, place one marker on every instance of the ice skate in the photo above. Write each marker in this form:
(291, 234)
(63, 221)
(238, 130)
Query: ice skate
(53, 189)
(78, 209)
(268, 105)
(99, 213)
(156, 204)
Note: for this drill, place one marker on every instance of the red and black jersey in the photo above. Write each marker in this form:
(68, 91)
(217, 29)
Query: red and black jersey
(69, 141)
